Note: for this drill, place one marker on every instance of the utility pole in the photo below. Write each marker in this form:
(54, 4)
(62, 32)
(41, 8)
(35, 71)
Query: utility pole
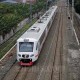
(73, 21)
(30, 12)
(72, 13)
(46, 4)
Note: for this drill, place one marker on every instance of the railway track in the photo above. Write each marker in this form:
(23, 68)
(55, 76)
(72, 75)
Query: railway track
(57, 64)
(50, 63)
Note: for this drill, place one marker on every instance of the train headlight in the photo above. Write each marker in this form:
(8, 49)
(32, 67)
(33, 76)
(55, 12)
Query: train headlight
(19, 55)
(31, 55)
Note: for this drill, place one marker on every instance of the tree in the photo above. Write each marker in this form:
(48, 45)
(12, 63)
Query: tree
(11, 14)
(77, 6)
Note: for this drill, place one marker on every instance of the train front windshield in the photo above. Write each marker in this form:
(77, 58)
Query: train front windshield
(26, 46)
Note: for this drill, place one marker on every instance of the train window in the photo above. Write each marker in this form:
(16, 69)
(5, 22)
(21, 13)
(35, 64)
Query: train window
(37, 46)
(26, 46)
(48, 25)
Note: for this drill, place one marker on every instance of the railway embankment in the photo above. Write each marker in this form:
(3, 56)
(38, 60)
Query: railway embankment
(77, 26)
(78, 16)
(73, 54)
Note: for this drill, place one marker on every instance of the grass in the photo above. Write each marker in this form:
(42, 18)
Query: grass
(5, 47)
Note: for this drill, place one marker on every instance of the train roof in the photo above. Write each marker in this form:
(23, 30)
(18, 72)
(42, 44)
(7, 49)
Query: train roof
(36, 30)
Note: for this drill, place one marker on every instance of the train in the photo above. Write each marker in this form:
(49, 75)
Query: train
(30, 43)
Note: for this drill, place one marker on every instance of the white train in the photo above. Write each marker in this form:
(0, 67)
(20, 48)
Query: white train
(30, 43)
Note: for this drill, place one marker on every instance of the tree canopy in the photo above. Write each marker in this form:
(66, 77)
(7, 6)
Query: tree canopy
(76, 5)
(12, 14)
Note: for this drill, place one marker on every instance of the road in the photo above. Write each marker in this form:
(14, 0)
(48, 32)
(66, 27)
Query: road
(56, 58)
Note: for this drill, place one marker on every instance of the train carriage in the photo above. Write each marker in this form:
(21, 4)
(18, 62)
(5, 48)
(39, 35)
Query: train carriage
(30, 43)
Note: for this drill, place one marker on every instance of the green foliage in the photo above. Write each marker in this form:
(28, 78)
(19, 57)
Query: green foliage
(76, 5)
(70, 1)
(11, 14)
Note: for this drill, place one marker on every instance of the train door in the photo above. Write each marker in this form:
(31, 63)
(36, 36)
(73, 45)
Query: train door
(37, 49)
(46, 31)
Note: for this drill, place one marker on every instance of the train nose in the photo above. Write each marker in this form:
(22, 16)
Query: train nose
(26, 62)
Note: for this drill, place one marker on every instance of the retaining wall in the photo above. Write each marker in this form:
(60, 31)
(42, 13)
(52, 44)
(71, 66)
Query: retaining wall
(19, 26)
